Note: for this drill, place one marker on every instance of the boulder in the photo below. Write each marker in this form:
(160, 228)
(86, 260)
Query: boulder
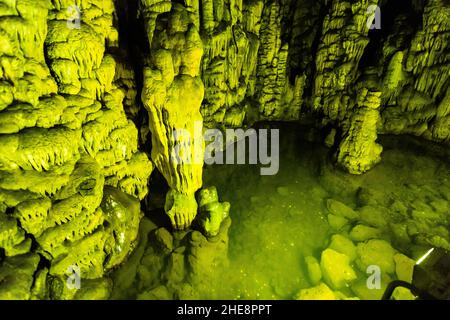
(362, 233)
(283, 191)
(440, 205)
(400, 233)
(340, 209)
(343, 245)
(373, 216)
(314, 271)
(94, 289)
(336, 269)
(364, 292)
(404, 267)
(376, 252)
(337, 222)
(16, 276)
(320, 292)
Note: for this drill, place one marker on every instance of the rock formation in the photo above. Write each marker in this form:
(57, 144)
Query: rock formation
(282, 60)
(66, 147)
(79, 105)
(173, 92)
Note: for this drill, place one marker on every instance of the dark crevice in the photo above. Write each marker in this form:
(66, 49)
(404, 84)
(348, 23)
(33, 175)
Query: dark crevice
(398, 20)
(133, 41)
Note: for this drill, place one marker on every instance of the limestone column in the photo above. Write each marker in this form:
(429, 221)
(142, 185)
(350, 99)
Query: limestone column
(172, 94)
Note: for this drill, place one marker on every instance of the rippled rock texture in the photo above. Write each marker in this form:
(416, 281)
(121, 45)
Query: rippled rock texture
(91, 89)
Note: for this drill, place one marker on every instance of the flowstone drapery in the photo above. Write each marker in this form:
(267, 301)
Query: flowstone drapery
(173, 92)
(66, 147)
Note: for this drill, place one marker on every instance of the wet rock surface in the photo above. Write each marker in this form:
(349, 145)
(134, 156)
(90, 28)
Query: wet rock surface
(87, 99)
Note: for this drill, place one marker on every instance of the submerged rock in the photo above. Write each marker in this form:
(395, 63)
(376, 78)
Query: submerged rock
(336, 269)
(404, 267)
(320, 292)
(373, 216)
(314, 271)
(362, 233)
(376, 253)
(283, 191)
(366, 292)
(400, 233)
(337, 222)
(336, 181)
(342, 210)
(343, 245)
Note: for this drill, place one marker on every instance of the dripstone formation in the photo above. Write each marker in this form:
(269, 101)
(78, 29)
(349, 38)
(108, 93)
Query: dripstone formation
(91, 90)
(71, 174)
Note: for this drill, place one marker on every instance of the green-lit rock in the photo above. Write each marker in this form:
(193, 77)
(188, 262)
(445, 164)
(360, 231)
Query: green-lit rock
(376, 253)
(158, 293)
(180, 208)
(172, 94)
(366, 292)
(362, 233)
(373, 216)
(176, 270)
(16, 276)
(64, 135)
(343, 245)
(404, 267)
(164, 239)
(342, 210)
(320, 292)
(336, 269)
(40, 290)
(337, 222)
(73, 166)
(211, 211)
(96, 289)
(314, 271)
(403, 294)
(358, 151)
(400, 234)
(123, 214)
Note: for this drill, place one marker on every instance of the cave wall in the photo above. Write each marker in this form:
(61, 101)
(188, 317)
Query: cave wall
(71, 174)
(285, 60)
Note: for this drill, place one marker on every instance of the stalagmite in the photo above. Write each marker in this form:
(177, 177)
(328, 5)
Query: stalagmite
(358, 151)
